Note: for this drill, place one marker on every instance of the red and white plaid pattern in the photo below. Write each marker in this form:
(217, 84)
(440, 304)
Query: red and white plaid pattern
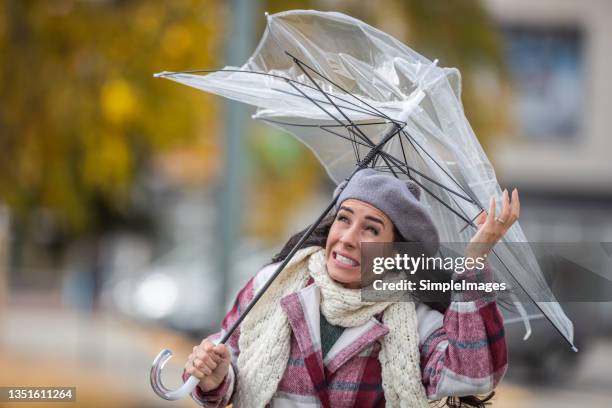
(463, 352)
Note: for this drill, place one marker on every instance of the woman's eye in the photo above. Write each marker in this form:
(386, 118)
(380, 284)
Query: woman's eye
(342, 218)
(373, 230)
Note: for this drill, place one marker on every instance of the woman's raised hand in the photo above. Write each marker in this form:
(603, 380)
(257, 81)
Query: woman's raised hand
(209, 363)
(491, 227)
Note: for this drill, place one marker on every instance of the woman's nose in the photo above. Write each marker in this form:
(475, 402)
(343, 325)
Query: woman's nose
(350, 237)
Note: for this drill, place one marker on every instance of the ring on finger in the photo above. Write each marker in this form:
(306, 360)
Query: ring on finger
(500, 220)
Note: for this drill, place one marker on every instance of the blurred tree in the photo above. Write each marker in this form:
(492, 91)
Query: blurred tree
(284, 172)
(82, 114)
(82, 117)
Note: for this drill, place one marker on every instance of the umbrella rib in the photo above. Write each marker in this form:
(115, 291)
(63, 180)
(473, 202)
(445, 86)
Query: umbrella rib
(499, 258)
(353, 140)
(471, 222)
(440, 200)
(278, 122)
(298, 61)
(299, 64)
(350, 129)
(316, 104)
(385, 159)
(363, 135)
(531, 298)
(432, 194)
(292, 82)
(400, 128)
(321, 101)
(412, 140)
(472, 201)
(344, 137)
(353, 137)
(389, 166)
(329, 114)
(374, 112)
(396, 161)
(409, 168)
(403, 151)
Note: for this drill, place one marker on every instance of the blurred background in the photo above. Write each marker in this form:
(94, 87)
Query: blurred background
(132, 209)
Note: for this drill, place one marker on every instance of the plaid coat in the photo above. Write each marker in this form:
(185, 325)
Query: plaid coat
(463, 352)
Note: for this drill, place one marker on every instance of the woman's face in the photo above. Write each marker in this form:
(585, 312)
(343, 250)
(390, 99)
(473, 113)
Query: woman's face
(355, 222)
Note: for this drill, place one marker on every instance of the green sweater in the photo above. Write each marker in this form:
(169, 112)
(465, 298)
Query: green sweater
(329, 335)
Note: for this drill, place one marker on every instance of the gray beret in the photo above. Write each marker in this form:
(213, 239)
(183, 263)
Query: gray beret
(398, 199)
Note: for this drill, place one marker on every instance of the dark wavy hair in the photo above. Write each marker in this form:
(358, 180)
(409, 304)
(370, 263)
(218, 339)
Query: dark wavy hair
(319, 238)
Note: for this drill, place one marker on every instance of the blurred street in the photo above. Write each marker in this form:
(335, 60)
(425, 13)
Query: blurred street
(591, 386)
(97, 353)
(107, 359)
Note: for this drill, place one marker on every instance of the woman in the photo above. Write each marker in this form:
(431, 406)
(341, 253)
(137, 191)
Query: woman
(310, 340)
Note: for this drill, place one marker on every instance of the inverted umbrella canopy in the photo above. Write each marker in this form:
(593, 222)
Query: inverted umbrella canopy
(353, 94)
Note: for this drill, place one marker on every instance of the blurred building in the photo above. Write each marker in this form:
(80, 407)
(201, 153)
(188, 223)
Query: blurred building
(557, 153)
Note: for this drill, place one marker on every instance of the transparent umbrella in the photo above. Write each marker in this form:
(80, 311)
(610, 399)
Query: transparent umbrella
(358, 98)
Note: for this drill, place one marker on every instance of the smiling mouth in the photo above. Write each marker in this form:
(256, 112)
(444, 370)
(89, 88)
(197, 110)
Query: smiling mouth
(345, 260)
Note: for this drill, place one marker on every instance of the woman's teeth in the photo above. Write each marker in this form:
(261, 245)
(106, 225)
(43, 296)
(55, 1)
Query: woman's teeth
(345, 260)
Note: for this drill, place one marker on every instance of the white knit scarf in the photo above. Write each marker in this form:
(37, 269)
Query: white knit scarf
(265, 335)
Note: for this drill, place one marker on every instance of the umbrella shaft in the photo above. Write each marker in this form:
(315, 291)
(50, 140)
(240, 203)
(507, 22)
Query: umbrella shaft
(361, 165)
(365, 162)
(410, 105)
(278, 270)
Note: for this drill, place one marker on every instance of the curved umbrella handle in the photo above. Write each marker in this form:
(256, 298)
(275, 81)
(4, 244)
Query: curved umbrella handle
(156, 381)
